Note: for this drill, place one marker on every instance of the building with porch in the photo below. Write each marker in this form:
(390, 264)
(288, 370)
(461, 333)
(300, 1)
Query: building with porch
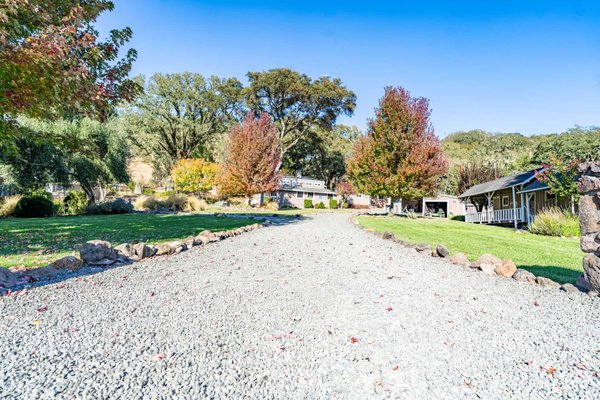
(294, 190)
(511, 200)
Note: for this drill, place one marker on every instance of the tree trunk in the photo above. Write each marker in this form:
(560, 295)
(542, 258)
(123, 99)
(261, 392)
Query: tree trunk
(89, 192)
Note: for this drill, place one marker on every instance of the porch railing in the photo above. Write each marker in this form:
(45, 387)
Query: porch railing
(496, 216)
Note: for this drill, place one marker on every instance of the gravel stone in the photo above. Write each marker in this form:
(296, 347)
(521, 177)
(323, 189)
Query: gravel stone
(343, 315)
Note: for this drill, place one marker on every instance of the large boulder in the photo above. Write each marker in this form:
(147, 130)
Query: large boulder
(589, 214)
(569, 288)
(163, 249)
(588, 184)
(506, 269)
(582, 284)
(68, 262)
(125, 250)
(422, 247)
(442, 250)
(207, 234)
(190, 241)
(547, 283)
(143, 250)
(522, 275)
(487, 259)
(591, 271)
(201, 240)
(97, 252)
(488, 269)
(590, 243)
(7, 278)
(460, 259)
(388, 235)
(43, 273)
(177, 247)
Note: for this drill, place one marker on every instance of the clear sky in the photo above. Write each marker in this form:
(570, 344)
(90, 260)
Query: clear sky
(503, 66)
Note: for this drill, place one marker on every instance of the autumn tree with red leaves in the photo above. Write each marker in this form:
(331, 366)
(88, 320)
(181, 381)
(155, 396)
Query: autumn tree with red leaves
(400, 157)
(252, 158)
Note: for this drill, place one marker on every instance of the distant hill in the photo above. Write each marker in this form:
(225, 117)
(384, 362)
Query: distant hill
(508, 153)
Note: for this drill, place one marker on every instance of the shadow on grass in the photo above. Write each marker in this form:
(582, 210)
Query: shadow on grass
(558, 274)
(89, 270)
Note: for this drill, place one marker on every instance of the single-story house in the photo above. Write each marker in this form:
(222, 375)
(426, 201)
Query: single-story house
(514, 199)
(294, 190)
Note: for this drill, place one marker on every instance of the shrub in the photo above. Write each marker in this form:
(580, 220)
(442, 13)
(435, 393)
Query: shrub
(175, 202)
(308, 203)
(193, 203)
(35, 205)
(320, 205)
(333, 203)
(345, 205)
(412, 215)
(75, 202)
(118, 206)
(8, 206)
(555, 222)
(147, 203)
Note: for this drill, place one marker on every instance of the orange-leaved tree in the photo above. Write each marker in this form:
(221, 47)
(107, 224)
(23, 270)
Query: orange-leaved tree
(400, 157)
(194, 175)
(252, 158)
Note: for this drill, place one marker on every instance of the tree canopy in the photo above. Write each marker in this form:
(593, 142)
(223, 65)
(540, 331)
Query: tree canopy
(297, 104)
(53, 66)
(400, 157)
(182, 116)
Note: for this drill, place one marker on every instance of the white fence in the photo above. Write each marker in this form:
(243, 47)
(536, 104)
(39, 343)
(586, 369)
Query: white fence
(496, 216)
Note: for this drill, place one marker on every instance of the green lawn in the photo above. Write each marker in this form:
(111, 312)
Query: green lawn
(37, 241)
(556, 258)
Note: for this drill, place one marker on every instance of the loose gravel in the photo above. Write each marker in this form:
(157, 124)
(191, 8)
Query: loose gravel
(311, 309)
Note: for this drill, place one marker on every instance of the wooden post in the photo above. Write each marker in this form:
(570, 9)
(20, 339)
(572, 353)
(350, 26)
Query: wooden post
(514, 207)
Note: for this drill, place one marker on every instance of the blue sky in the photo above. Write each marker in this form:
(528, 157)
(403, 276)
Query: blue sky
(503, 66)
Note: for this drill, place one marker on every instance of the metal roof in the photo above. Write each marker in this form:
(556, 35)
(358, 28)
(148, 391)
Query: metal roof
(500, 183)
(306, 189)
(534, 186)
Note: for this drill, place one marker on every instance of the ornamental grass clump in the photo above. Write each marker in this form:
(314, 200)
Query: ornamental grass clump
(8, 206)
(555, 222)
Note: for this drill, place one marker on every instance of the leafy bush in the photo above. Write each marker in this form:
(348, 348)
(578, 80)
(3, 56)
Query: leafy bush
(8, 206)
(175, 202)
(118, 206)
(412, 215)
(308, 203)
(35, 205)
(345, 205)
(457, 218)
(75, 202)
(333, 203)
(172, 201)
(555, 222)
(320, 205)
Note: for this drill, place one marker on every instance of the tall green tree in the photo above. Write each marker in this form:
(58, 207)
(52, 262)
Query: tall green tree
(323, 153)
(297, 104)
(576, 144)
(182, 116)
(52, 64)
(91, 153)
(400, 157)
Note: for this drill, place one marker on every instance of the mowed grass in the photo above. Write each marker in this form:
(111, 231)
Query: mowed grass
(38, 241)
(556, 258)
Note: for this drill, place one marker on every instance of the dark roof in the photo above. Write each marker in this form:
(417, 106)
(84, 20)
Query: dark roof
(534, 186)
(500, 183)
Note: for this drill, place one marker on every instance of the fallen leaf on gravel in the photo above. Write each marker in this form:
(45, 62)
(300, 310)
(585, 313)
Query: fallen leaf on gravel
(152, 294)
(535, 303)
(396, 368)
(36, 322)
(389, 309)
(354, 340)
(529, 363)
(580, 366)
(61, 286)
(449, 343)
(158, 357)
(550, 371)
(43, 308)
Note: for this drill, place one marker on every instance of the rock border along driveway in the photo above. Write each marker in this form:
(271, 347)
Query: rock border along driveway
(312, 309)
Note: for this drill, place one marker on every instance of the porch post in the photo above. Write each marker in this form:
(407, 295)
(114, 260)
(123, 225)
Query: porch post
(522, 206)
(514, 207)
(528, 197)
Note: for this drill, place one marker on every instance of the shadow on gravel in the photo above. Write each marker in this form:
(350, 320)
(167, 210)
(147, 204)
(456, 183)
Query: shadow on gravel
(558, 274)
(87, 271)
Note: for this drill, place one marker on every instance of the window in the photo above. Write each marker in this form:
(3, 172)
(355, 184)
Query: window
(330, 196)
(309, 195)
(505, 201)
(299, 195)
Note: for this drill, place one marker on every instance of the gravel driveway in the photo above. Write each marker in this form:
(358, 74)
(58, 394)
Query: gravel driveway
(312, 309)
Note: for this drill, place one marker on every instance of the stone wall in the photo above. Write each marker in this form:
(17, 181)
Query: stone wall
(589, 220)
